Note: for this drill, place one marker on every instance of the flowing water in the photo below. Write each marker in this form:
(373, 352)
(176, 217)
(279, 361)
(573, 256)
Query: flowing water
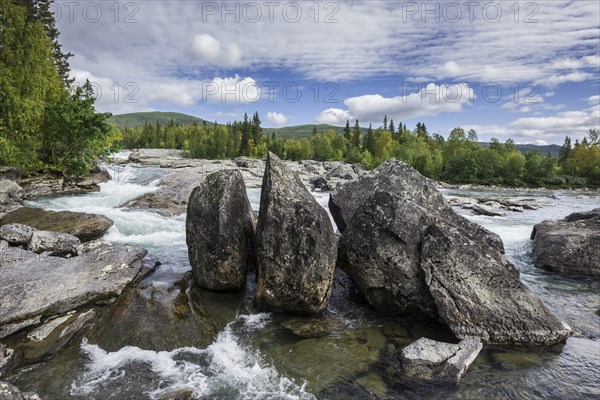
(168, 335)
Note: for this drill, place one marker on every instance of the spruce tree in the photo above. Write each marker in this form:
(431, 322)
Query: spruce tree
(347, 131)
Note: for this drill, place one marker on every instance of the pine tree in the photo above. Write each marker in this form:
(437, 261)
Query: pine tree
(314, 130)
(347, 131)
(393, 129)
(565, 150)
(256, 129)
(356, 135)
(385, 123)
(245, 136)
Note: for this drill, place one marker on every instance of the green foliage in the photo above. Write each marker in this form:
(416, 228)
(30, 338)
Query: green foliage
(41, 124)
(459, 159)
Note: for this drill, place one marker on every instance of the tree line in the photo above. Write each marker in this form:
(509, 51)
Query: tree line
(46, 122)
(459, 158)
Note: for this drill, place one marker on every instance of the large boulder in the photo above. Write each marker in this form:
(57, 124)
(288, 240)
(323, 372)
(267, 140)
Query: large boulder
(85, 226)
(439, 362)
(570, 246)
(380, 251)
(54, 286)
(478, 294)
(407, 251)
(220, 231)
(391, 175)
(296, 245)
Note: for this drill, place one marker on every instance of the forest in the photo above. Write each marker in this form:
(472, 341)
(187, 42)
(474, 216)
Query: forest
(459, 158)
(46, 122)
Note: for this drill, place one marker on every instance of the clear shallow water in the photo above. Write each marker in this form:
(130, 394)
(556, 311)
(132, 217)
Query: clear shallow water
(169, 335)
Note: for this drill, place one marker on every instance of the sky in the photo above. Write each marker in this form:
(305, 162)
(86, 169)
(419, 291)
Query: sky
(508, 69)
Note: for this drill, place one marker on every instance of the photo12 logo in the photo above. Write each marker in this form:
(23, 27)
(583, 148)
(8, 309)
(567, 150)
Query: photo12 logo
(270, 11)
(469, 11)
(96, 11)
(120, 93)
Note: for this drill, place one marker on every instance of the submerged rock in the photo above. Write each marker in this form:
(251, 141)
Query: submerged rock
(220, 231)
(296, 245)
(488, 210)
(10, 392)
(407, 251)
(39, 289)
(570, 246)
(313, 327)
(439, 362)
(85, 226)
(5, 359)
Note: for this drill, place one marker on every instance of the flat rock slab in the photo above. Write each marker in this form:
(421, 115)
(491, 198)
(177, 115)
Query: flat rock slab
(85, 226)
(10, 392)
(38, 289)
(440, 362)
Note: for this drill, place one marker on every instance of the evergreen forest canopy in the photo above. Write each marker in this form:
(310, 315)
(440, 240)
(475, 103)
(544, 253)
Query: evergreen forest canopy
(48, 123)
(460, 158)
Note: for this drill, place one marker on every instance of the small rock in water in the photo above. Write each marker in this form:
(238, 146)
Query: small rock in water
(313, 327)
(441, 362)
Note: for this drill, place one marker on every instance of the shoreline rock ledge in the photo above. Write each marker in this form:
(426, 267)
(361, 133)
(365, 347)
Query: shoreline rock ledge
(296, 245)
(407, 251)
(220, 231)
(570, 246)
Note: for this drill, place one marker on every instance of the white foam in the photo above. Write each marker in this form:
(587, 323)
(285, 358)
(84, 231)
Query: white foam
(223, 367)
(255, 321)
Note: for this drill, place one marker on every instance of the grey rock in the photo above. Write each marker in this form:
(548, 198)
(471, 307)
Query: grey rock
(571, 246)
(380, 251)
(57, 285)
(6, 359)
(58, 244)
(488, 210)
(439, 362)
(220, 231)
(296, 245)
(10, 254)
(343, 172)
(407, 251)
(390, 176)
(16, 234)
(85, 226)
(11, 195)
(93, 245)
(478, 292)
(10, 392)
(49, 338)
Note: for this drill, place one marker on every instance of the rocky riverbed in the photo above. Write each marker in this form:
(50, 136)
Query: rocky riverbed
(166, 335)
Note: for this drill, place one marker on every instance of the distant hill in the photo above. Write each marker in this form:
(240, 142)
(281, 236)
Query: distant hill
(138, 119)
(300, 131)
(164, 118)
(553, 149)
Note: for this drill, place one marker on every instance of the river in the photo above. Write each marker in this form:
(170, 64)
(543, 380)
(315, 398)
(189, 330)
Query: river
(168, 335)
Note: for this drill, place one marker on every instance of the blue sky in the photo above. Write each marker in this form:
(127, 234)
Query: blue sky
(526, 70)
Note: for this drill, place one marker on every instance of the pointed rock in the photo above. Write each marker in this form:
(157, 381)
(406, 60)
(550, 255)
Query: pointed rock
(296, 245)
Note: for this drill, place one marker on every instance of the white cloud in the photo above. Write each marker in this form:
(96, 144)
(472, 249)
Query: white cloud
(277, 119)
(209, 51)
(334, 116)
(429, 101)
(594, 100)
(548, 129)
